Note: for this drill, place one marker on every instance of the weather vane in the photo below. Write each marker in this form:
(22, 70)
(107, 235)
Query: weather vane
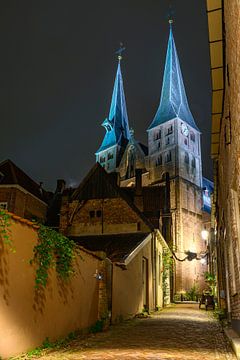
(120, 51)
(170, 13)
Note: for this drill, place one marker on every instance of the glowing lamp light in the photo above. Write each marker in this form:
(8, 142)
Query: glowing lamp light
(203, 261)
(204, 234)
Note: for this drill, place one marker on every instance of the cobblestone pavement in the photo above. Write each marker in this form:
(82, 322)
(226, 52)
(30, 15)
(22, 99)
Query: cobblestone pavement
(178, 332)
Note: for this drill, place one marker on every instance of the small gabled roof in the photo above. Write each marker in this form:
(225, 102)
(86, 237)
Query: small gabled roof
(116, 125)
(11, 174)
(119, 248)
(98, 184)
(173, 102)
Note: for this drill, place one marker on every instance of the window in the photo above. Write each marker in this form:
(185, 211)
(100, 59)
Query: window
(157, 135)
(3, 205)
(185, 141)
(168, 157)
(186, 158)
(110, 156)
(193, 163)
(169, 130)
(99, 213)
(159, 160)
(102, 159)
(167, 141)
(159, 145)
(91, 214)
(192, 136)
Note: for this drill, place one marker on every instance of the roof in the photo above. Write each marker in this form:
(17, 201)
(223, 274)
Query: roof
(116, 125)
(13, 175)
(173, 102)
(118, 247)
(98, 184)
(216, 44)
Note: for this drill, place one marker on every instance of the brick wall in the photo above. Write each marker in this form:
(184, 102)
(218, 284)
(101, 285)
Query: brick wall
(99, 216)
(228, 166)
(23, 204)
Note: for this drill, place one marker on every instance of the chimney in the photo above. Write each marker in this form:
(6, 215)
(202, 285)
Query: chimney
(138, 196)
(138, 182)
(60, 185)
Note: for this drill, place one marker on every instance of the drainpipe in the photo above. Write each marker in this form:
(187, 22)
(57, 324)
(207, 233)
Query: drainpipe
(227, 285)
(155, 267)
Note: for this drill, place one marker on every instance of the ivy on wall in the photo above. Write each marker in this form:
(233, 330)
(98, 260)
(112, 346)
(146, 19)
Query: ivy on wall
(168, 264)
(53, 250)
(5, 231)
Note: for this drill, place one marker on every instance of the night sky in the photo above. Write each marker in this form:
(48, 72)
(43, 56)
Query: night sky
(57, 69)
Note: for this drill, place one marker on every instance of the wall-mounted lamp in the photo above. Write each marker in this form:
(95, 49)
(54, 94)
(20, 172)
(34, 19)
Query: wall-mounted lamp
(98, 275)
(192, 256)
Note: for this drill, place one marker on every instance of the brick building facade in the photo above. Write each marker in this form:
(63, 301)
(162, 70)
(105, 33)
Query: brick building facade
(224, 26)
(20, 194)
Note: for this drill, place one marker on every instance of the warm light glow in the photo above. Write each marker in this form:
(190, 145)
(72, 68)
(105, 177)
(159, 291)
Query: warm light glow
(204, 234)
(203, 261)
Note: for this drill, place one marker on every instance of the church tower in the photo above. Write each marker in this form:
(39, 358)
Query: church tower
(116, 125)
(173, 136)
(174, 148)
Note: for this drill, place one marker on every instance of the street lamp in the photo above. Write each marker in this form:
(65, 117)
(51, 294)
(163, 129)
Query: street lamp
(204, 234)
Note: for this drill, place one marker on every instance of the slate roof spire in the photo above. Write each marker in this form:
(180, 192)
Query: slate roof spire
(116, 125)
(173, 102)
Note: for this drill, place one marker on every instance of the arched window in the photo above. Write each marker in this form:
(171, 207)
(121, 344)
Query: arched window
(186, 158)
(192, 136)
(168, 157)
(193, 163)
(159, 160)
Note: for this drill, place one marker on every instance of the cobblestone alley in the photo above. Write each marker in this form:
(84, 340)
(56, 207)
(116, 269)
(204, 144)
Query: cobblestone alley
(179, 332)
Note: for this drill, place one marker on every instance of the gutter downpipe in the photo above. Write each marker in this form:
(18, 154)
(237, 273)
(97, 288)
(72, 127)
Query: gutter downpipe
(154, 270)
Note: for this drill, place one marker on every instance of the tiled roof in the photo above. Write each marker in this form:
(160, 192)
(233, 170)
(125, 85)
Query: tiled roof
(13, 175)
(116, 246)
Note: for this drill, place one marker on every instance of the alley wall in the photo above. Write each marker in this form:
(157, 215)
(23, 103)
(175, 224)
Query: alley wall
(28, 316)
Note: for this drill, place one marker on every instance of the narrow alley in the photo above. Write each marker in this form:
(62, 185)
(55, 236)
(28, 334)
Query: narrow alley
(180, 332)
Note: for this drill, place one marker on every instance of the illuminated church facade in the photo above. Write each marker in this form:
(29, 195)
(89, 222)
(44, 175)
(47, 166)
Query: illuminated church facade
(174, 148)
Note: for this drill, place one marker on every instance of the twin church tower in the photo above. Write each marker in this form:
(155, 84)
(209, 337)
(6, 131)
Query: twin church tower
(173, 148)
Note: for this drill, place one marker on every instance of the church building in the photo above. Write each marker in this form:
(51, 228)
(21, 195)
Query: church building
(174, 151)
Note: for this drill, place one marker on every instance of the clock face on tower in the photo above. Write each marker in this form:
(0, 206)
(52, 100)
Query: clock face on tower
(184, 129)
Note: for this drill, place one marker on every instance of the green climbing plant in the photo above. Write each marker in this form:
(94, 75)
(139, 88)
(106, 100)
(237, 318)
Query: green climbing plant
(53, 250)
(168, 264)
(5, 231)
(211, 281)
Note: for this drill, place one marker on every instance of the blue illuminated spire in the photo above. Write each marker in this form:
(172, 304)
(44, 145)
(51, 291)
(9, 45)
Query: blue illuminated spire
(116, 125)
(173, 102)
